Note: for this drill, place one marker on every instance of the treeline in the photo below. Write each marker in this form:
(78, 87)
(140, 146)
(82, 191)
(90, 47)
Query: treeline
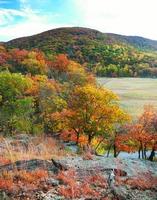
(50, 95)
(112, 70)
(124, 61)
(103, 54)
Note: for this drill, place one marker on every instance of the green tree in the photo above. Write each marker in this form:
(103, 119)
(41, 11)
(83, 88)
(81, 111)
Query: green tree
(16, 108)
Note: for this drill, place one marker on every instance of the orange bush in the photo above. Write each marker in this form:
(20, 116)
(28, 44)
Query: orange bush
(4, 161)
(144, 181)
(98, 180)
(6, 184)
(30, 177)
(15, 181)
(74, 187)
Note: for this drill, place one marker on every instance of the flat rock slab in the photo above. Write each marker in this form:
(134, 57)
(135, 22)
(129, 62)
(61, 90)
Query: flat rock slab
(126, 167)
(132, 167)
(29, 165)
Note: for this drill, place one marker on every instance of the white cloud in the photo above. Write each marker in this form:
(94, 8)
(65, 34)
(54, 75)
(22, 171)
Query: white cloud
(129, 17)
(31, 25)
(24, 29)
(7, 15)
(31, 22)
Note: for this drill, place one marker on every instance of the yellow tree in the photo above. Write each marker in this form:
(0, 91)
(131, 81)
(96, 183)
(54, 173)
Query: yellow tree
(94, 111)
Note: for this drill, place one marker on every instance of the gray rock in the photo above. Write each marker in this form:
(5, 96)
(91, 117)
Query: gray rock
(130, 167)
(50, 195)
(21, 137)
(53, 197)
(52, 182)
(124, 193)
(127, 168)
(29, 165)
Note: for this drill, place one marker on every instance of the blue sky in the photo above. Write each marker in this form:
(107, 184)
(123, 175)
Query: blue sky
(27, 17)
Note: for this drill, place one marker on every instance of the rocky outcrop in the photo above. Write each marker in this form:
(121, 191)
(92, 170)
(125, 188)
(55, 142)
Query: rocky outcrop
(123, 168)
(29, 165)
(126, 167)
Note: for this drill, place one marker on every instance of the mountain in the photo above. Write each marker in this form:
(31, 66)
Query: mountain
(100, 52)
(136, 41)
(50, 38)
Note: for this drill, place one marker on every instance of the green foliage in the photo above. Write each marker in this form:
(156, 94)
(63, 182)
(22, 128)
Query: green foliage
(15, 107)
(12, 86)
(28, 100)
(105, 54)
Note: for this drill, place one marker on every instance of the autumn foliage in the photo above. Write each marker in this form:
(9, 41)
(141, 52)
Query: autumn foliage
(73, 187)
(144, 181)
(51, 94)
(140, 136)
(15, 181)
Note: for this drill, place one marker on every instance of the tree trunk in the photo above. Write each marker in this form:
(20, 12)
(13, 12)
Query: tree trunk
(142, 153)
(140, 150)
(109, 149)
(139, 153)
(89, 139)
(151, 157)
(115, 151)
(145, 151)
(78, 136)
(152, 154)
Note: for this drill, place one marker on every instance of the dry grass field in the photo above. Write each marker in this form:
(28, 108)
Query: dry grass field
(134, 93)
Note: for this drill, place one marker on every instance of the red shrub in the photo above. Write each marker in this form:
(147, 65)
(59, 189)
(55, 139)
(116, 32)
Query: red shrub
(6, 184)
(30, 177)
(74, 187)
(144, 181)
(98, 180)
(4, 161)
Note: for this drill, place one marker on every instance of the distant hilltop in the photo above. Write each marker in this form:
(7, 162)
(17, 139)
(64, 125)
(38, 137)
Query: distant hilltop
(77, 34)
(106, 54)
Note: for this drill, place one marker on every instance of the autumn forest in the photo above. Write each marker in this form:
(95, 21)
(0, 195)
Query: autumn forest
(49, 95)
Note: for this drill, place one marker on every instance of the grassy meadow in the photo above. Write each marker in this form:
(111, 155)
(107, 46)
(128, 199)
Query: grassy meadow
(134, 93)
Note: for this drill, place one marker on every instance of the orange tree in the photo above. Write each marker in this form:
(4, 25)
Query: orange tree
(141, 135)
(47, 95)
(144, 131)
(92, 111)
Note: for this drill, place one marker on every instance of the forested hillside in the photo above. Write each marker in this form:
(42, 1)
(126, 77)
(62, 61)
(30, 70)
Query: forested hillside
(53, 94)
(102, 53)
(59, 119)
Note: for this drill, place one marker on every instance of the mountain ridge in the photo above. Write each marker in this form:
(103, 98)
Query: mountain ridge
(105, 54)
(136, 41)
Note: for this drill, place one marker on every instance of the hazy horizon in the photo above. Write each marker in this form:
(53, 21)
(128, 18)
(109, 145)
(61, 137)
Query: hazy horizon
(19, 18)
